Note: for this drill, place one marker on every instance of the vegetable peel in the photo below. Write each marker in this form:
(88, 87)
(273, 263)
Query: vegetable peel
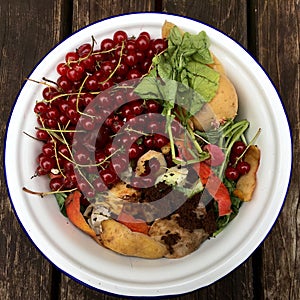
(136, 225)
(215, 187)
(119, 238)
(72, 204)
(246, 184)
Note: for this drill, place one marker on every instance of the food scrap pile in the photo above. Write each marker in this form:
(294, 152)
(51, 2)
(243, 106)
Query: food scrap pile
(141, 143)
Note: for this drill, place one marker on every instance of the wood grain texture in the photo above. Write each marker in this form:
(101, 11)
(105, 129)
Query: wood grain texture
(231, 18)
(277, 48)
(25, 273)
(86, 11)
(270, 29)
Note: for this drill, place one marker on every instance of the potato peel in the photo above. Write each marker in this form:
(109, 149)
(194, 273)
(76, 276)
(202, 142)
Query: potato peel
(121, 239)
(222, 107)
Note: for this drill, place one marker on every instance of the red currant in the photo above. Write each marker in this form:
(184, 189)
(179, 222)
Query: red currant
(231, 173)
(142, 42)
(74, 75)
(40, 108)
(120, 36)
(238, 148)
(47, 163)
(131, 59)
(107, 44)
(48, 149)
(62, 68)
(108, 176)
(243, 167)
(56, 183)
(84, 50)
(153, 106)
(160, 140)
(135, 151)
(48, 92)
(133, 74)
(71, 57)
(42, 135)
(146, 34)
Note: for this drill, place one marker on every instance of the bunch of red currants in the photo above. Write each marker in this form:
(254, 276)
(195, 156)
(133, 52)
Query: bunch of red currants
(83, 75)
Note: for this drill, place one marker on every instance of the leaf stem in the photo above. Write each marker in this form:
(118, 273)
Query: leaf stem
(193, 138)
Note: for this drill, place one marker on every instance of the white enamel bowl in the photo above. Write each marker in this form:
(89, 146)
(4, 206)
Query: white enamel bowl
(78, 255)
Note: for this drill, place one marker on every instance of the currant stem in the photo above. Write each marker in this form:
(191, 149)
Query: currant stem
(249, 144)
(43, 194)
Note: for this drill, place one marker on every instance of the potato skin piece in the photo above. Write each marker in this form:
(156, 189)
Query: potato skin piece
(166, 28)
(246, 184)
(188, 242)
(222, 107)
(122, 240)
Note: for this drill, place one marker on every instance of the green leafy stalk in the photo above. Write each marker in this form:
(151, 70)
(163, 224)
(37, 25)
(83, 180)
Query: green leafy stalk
(232, 134)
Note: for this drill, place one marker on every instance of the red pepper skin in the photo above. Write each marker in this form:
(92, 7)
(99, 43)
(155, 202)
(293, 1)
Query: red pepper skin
(215, 187)
(72, 204)
(209, 179)
(136, 225)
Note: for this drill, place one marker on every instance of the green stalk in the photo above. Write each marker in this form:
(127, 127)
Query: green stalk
(239, 129)
(171, 138)
(193, 138)
(250, 143)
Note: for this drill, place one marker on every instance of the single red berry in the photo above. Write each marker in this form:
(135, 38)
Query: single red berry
(243, 167)
(71, 57)
(56, 183)
(84, 50)
(238, 148)
(120, 36)
(231, 173)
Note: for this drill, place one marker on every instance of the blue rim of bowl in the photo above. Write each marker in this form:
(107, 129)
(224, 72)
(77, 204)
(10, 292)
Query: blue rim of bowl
(113, 17)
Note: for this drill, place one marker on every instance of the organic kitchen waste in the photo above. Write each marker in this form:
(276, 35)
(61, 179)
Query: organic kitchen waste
(142, 144)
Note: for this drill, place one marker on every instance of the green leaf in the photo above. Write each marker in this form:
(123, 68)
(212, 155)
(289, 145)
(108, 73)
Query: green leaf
(184, 62)
(200, 40)
(187, 42)
(60, 199)
(200, 69)
(148, 88)
(203, 80)
(189, 99)
(203, 56)
(184, 78)
(204, 87)
(165, 70)
(201, 43)
(168, 90)
(175, 36)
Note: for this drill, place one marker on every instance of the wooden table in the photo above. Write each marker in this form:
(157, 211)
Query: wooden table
(268, 29)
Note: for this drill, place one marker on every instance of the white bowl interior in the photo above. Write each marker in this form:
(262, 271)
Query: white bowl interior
(77, 254)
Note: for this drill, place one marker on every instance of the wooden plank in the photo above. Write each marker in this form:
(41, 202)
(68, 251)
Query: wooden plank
(231, 18)
(28, 30)
(84, 13)
(277, 48)
(89, 11)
